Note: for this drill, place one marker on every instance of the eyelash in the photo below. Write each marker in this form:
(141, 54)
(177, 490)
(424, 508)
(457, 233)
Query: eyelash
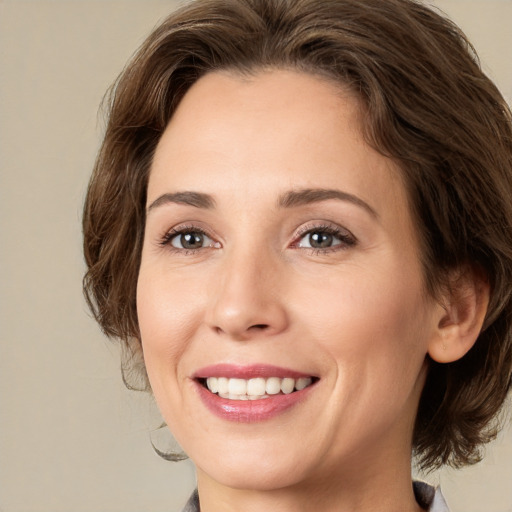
(346, 239)
(168, 236)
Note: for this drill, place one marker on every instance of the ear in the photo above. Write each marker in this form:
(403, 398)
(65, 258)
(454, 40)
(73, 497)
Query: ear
(460, 316)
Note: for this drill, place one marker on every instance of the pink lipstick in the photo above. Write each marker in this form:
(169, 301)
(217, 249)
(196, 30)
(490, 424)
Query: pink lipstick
(253, 393)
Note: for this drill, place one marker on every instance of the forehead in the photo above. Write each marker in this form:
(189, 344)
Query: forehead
(284, 129)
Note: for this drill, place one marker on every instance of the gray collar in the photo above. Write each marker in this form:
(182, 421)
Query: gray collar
(428, 497)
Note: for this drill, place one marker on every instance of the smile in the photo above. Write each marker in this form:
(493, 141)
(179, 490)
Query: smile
(252, 393)
(255, 389)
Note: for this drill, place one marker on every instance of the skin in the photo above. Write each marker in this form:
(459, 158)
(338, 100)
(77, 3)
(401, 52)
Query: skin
(356, 315)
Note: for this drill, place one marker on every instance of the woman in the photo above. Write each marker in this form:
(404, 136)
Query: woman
(300, 218)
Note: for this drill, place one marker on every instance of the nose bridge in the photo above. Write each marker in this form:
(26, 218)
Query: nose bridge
(245, 302)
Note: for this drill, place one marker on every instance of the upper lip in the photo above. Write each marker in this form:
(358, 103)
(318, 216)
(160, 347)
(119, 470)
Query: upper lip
(234, 371)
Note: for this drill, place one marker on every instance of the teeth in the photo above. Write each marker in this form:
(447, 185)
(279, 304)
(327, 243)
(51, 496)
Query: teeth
(222, 385)
(302, 383)
(255, 389)
(256, 386)
(237, 387)
(213, 384)
(273, 386)
(287, 385)
(257, 397)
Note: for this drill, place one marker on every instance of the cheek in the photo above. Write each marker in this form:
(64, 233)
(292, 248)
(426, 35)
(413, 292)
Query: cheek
(375, 322)
(374, 333)
(165, 309)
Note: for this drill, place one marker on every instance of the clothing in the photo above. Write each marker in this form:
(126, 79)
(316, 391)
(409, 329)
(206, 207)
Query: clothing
(427, 497)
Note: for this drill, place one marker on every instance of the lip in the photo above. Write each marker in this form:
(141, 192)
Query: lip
(232, 371)
(249, 411)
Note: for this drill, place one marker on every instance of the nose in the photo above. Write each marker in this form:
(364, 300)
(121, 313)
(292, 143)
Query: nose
(247, 300)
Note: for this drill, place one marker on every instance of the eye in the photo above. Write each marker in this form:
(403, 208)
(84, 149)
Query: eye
(191, 240)
(327, 237)
(318, 240)
(187, 239)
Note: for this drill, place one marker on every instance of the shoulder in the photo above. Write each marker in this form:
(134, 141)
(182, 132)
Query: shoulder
(192, 503)
(430, 497)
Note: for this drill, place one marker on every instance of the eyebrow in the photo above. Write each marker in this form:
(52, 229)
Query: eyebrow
(290, 199)
(196, 199)
(306, 196)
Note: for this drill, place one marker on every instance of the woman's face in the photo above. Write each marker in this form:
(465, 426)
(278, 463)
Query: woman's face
(280, 253)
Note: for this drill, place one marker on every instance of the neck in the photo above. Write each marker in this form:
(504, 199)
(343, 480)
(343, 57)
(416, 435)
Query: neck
(357, 490)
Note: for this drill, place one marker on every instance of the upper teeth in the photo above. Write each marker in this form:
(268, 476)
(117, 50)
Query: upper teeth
(254, 389)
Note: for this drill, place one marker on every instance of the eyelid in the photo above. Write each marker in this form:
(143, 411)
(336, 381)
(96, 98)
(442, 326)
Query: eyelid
(343, 234)
(166, 238)
(173, 240)
(319, 225)
(347, 239)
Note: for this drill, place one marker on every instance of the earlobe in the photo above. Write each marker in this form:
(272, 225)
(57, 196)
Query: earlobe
(460, 318)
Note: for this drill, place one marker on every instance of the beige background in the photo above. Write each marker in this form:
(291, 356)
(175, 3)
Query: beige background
(71, 438)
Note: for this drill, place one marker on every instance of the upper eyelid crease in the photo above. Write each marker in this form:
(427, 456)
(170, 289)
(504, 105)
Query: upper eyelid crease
(337, 231)
(180, 229)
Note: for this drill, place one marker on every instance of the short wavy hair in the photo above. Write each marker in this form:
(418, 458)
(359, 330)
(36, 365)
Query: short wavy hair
(426, 104)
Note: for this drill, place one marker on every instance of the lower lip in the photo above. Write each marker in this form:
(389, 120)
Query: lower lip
(250, 411)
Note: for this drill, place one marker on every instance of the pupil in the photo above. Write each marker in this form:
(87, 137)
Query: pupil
(320, 240)
(191, 240)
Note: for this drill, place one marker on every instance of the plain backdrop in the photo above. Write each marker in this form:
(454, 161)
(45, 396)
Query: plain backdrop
(72, 439)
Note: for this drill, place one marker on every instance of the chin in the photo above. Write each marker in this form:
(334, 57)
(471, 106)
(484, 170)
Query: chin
(256, 478)
(239, 470)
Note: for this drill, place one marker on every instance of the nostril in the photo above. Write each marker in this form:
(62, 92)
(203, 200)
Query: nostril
(260, 327)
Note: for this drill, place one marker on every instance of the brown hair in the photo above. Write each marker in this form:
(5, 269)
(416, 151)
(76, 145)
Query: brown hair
(427, 105)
